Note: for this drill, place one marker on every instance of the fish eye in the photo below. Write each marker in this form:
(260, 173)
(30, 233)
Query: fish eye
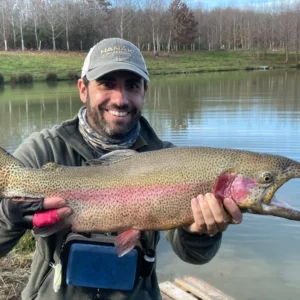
(267, 177)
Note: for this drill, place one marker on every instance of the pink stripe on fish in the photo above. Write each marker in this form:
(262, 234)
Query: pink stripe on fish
(136, 193)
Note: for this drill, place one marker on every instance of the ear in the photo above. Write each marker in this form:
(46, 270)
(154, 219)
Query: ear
(82, 90)
(146, 87)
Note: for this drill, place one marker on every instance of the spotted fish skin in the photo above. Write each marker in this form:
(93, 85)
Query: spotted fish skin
(153, 190)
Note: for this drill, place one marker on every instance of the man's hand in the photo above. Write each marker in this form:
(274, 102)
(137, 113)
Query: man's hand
(209, 217)
(29, 213)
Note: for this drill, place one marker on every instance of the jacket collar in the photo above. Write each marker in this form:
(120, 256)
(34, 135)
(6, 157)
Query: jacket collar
(68, 131)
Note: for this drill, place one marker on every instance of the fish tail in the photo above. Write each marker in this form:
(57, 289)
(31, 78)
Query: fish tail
(8, 165)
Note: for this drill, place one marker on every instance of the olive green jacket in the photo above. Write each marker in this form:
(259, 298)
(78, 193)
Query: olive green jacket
(64, 145)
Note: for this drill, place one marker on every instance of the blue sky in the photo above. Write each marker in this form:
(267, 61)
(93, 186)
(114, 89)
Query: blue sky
(210, 4)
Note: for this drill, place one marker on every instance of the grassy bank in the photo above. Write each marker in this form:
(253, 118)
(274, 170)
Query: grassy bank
(65, 64)
(15, 269)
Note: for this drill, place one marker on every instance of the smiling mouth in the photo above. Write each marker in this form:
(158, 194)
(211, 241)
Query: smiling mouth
(118, 113)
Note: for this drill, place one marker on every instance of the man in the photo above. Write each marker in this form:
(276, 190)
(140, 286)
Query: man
(112, 86)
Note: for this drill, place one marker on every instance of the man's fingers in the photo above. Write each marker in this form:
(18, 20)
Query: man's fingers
(233, 210)
(199, 225)
(54, 202)
(217, 211)
(50, 217)
(63, 212)
(208, 216)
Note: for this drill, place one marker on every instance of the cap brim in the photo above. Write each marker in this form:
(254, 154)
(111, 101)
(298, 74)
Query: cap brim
(116, 66)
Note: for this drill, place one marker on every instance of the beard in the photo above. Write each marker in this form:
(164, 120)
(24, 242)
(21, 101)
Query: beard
(115, 130)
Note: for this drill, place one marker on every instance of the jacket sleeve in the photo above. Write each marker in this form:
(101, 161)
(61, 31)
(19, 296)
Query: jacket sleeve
(9, 233)
(192, 248)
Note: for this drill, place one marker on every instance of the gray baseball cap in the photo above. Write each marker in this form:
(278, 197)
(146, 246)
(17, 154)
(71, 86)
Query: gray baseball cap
(113, 54)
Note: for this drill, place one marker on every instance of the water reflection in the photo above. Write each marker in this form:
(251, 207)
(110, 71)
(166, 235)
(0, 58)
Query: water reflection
(258, 111)
(25, 110)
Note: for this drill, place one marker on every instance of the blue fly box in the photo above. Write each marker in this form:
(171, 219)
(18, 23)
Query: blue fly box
(99, 266)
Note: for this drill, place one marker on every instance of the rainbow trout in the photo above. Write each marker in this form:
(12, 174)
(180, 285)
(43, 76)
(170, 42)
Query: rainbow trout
(129, 192)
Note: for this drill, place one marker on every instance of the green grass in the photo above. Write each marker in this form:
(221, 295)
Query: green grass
(25, 245)
(39, 64)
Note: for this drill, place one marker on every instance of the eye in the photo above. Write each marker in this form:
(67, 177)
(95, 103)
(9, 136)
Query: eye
(133, 85)
(267, 177)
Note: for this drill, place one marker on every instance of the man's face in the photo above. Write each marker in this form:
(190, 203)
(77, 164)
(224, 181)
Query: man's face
(114, 102)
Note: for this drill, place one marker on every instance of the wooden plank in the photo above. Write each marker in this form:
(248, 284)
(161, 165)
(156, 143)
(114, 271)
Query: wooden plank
(163, 297)
(174, 291)
(201, 289)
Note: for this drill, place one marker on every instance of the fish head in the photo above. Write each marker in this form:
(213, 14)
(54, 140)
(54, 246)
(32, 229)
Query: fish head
(253, 181)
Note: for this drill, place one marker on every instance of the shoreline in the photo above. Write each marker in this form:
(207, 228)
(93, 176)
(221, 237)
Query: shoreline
(48, 66)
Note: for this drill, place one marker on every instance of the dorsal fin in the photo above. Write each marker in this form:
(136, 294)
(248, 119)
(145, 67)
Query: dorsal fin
(8, 160)
(112, 157)
(51, 166)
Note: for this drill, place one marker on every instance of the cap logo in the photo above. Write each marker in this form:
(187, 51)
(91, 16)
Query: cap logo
(110, 50)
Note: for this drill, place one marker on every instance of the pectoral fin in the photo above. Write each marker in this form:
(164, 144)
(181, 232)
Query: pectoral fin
(112, 157)
(126, 241)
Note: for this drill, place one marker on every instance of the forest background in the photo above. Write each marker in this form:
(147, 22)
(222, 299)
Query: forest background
(152, 25)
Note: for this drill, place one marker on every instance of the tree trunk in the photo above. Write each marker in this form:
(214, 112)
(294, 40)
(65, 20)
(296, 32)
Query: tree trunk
(157, 44)
(36, 35)
(53, 38)
(14, 34)
(234, 35)
(67, 37)
(286, 53)
(169, 41)
(21, 32)
(153, 38)
(4, 32)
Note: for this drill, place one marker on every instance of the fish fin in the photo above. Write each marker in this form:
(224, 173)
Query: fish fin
(49, 230)
(112, 157)
(126, 241)
(51, 166)
(227, 170)
(7, 160)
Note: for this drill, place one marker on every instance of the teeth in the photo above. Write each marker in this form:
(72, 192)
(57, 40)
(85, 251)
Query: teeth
(118, 113)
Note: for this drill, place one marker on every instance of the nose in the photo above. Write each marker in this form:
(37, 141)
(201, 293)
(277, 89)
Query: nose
(119, 96)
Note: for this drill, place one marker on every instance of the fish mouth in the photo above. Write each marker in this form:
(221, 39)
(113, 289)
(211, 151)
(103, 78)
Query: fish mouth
(277, 208)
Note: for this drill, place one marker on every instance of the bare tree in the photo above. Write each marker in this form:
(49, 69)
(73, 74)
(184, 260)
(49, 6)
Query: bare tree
(297, 24)
(285, 23)
(20, 9)
(156, 11)
(52, 12)
(124, 14)
(2, 7)
(11, 17)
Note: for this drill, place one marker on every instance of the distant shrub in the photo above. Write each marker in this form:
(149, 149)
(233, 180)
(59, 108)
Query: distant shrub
(25, 78)
(21, 78)
(51, 76)
(14, 78)
(73, 75)
(1, 79)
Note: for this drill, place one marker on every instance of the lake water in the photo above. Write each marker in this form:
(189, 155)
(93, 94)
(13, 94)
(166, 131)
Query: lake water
(259, 111)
